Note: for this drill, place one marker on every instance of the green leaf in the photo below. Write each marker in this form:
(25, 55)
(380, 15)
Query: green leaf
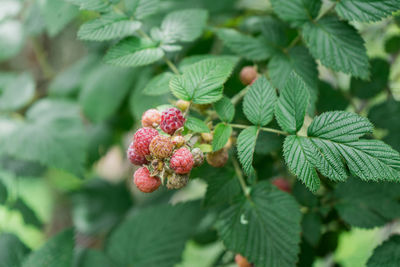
(26, 212)
(343, 48)
(259, 102)
(132, 52)
(3, 193)
(225, 109)
(386, 254)
(265, 228)
(49, 136)
(246, 143)
(96, 258)
(203, 82)
(311, 228)
(95, 5)
(272, 29)
(222, 132)
(303, 196)
(292, 103)
(222, 187)
(18, 93)
(58, 251)
(107, 27)
(57, 14)
(140, 9)
(378, 82)
(339, 126)
(11, 38)
(196, 125)
(392, 44)
(12, 250)
(160, 244)
(247, 46)
(365, 11)
(159, 84)
(296, 12)
(103, 91)
(183, 25)
(298, 157)
(330, 98)
(367, 205)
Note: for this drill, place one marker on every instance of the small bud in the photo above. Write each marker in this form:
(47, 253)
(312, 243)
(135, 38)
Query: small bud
(182, 104)
(178, 141)
(207, 137)
(177, 181)
(218, 158)
(248, 74)
(241, 261)
(198, 156)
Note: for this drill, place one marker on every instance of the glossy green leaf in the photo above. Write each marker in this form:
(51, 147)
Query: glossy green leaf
(12, 250)
(18, 93)
(246, 143)
(365, 11)
(222, 132)
(196, 125)
(141, 9)
(159, 84)
(296, 11)
(225, 109)
(386, 254)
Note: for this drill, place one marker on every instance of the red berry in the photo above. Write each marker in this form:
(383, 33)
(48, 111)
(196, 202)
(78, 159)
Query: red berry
(143, 138)
(134, 157)
(248, 75)
(161, 147)
(182, 161)
(144, 181)
(171, 120)
(242, 261)
(282, 184)
(151, 118)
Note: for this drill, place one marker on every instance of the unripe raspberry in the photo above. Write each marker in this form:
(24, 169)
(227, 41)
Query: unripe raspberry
(182, 104)
(247, 75)
(282, 184)
(177, 181)
(142, 140)
(207, 137)
(134, 157)
(171, 120)
(161, 147)
(151, 118)
(178, 141)
(218, 158)
(144, 181)
(198, 156)
(242, 261)
(181, 161)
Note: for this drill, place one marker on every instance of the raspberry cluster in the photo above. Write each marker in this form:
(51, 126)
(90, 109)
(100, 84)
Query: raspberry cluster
(162, 151)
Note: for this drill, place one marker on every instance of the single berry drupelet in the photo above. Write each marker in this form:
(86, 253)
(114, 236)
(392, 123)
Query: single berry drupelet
(134, 157)
(161, 147)
(181, 161)
(171, 120)
(151, 118)
(248, 75)
(144, 181)
(142, 140)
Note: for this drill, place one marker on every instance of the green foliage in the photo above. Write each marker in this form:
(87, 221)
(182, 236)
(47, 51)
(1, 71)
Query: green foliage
(57, 14)
(12, 250)
(245, 148)
(225, 109)
(18, 93)
(95, 5)
(140, 9)
(296, 12)
(196, 125)
(386, 254)
(222, 133)
(264, 228)
(365, 11)
(159, 84)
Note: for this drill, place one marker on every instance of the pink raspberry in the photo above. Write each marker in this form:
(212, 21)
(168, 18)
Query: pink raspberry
(248, 75)
(144, 181)
(134, 157)
(171, 120)
(282, 184)
(182, 161)
(142, 140)
(151, 118)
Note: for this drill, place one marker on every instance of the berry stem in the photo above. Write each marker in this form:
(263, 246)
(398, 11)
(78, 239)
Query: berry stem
(240, 177)
(236, 98)
(265, 129)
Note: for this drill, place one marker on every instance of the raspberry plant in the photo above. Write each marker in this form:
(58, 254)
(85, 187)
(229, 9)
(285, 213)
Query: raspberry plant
(252, 133)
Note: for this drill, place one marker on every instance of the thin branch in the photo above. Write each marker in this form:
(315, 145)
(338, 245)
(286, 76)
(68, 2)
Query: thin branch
(265, 129)
(240, 177)
(236, 98)
(41, 57)
(171, 65)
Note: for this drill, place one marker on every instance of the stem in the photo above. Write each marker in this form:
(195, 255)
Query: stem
(265, 129)
(240, 177)
(41, 57)
(171, 65)
(236, 98)
(294, 42)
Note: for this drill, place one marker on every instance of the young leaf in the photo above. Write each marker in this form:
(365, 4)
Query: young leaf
(95, 5)
(203, 82)
(57, 14)
(247, 46)
(140, 9)
(11, 38)
(296, 12)
(246, 143)
(292, 103)
(12, 250)
(265, 229)
(18, 93)
(225, 109)
(259, 102)
(196, 125)
(132, 52)
(159, 245)
(365, 11)
(58, 251)
(386, 254)
(183, 25)
(96, 258)
(159, 84)
(343, 48)
(222, 133)
(367, 205)
(339, 126)
(107, 27)
(298, 157)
